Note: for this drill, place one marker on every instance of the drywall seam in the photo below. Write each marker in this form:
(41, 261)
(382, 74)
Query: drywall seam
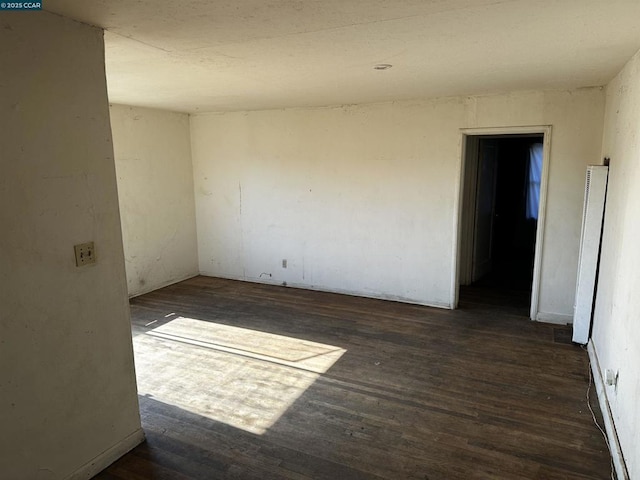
(609, 424)
(106, 458)
(471, 114)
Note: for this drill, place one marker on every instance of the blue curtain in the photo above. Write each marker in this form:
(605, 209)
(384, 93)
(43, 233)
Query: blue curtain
(533, 180)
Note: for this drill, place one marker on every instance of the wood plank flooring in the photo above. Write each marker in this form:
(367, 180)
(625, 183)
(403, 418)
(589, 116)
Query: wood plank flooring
(247, 381)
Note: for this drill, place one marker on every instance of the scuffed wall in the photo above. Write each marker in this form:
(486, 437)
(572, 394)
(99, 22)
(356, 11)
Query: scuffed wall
(68, 398)
(616, 324)
(155, 186)
(363, 199)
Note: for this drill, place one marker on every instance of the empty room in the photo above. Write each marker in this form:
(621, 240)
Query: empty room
(320, 240)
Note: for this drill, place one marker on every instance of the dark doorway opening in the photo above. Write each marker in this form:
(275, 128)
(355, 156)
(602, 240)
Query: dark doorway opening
(501, 203)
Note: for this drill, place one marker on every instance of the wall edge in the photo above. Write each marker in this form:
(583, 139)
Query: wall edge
(617, 456)
(106, 458)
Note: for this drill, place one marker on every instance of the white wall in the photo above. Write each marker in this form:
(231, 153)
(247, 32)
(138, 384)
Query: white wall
(68, 398)
(576, 118)
(362, 199)
(155, 184)
(616, 328)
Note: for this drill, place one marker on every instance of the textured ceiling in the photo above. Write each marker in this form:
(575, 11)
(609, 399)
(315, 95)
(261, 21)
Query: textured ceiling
(199, 55)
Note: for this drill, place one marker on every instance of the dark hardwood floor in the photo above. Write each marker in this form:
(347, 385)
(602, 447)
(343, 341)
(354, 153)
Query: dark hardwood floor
(247, 381)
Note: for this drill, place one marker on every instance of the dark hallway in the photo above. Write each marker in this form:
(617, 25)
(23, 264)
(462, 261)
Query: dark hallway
(514, 231)
(513, 188)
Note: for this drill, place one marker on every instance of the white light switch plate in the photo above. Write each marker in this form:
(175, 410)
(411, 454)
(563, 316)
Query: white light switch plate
(85, 254)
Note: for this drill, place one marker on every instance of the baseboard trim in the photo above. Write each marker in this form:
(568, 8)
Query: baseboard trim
(559, 318)
(319, 288)
(107, 457)
(609, 424)
(152, 288)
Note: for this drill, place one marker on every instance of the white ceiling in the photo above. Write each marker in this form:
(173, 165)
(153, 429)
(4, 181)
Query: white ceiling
(217, 55)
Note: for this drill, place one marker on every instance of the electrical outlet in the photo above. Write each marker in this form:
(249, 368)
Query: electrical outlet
(284, 263)
(85, 254)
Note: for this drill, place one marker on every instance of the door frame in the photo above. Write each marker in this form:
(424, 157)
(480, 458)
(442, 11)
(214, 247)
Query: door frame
(545, 131)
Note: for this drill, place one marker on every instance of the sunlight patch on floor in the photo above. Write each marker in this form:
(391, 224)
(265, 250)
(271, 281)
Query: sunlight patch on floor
(244, 378)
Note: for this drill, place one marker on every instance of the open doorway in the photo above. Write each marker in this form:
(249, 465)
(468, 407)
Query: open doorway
(500, 220)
